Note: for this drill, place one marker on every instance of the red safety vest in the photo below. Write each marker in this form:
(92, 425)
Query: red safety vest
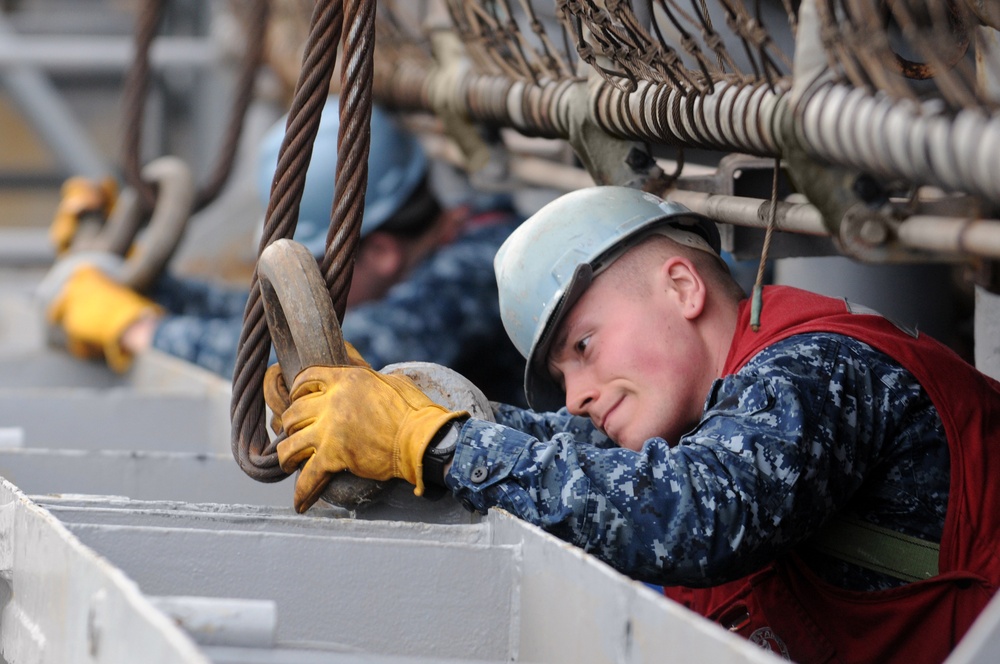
(785, 607)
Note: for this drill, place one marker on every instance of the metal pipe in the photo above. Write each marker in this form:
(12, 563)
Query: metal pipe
(43, 107)
(978, 237)
(223, 621)
(106, 54)
(966, 151)
(834, 123)
(752, 212)
(954, 235)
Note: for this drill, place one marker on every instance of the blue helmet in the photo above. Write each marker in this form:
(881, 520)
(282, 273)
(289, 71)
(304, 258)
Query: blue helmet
(396, 166)
(548, 262)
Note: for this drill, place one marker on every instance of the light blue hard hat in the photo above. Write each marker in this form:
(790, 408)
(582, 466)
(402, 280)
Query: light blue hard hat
(547, 263)
(396, 166)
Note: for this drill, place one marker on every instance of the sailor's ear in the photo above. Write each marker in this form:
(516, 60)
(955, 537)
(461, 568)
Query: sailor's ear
(685, 285)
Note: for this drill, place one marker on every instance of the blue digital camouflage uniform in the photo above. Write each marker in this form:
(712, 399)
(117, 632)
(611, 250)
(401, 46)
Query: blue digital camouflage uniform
(447, 311)
(812, 425)
(204, 322)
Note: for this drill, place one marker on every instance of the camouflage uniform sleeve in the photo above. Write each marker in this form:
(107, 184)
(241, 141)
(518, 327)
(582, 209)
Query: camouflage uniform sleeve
(546, 425)
(447, 304)
(204, 323)
(210, 343)
(781, 445)
(190, 297)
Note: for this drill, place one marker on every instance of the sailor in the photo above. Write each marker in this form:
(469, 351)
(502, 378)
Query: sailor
(422, 286)
(750, 468)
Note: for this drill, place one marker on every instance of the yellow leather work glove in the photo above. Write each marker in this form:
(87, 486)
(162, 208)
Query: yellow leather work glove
(352, 418)
(80, 196)
(276, 389)
(95, 310)
(276, 395)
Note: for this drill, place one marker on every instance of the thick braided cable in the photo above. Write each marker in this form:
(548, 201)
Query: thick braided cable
(253, 55)
(134, 96)
(250, 442)
(353, 143)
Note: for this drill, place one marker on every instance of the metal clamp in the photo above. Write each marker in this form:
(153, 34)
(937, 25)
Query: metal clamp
(174, 200)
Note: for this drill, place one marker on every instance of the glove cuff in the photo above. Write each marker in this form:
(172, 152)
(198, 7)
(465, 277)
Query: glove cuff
(416, 433)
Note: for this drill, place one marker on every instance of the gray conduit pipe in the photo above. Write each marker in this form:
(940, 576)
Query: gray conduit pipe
(836, 123)
(893, 138)
(950, 235)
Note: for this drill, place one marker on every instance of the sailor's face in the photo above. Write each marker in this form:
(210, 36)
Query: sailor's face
(628, 359)
(378, 266)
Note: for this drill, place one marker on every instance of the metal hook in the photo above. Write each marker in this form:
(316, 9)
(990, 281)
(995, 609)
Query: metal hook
(305, 332)
(174, 198)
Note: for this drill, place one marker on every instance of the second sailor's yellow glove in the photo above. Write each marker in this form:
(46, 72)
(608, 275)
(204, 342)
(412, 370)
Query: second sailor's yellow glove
(94, 311)
(377, 426)
(80, 196)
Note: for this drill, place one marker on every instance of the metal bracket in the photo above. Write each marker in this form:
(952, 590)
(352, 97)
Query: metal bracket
(608, 159)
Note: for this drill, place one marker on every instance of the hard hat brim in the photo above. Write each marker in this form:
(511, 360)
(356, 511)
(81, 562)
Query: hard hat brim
(542, 392)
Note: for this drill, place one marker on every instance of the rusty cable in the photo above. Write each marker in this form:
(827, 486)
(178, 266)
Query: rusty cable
(353, 144)
(253, 55)
(137, 83)
(250, 443)
(133, 96)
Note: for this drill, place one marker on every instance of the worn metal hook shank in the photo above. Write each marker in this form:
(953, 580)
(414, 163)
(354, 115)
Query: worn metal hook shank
(174, 199)
(305, 332)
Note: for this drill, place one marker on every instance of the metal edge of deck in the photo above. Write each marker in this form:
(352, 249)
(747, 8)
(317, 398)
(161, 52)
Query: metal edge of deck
(63, 603)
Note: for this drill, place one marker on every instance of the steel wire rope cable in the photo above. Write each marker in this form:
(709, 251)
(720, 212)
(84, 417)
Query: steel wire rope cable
(252, 448)
(858, 37)
(353, 143)
(134, 94)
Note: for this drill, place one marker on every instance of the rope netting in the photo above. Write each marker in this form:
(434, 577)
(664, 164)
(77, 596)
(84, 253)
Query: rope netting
(906, 48)
(721, 75)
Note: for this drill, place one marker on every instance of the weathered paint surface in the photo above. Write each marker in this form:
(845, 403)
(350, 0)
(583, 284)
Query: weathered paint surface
(128, 533)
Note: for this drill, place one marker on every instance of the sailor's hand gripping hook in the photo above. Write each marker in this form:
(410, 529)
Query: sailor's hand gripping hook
(305, 332)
